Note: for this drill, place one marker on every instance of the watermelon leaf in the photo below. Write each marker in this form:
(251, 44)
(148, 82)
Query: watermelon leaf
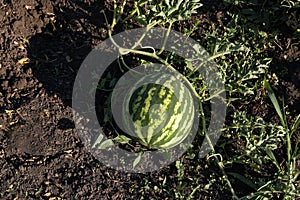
(122, 139)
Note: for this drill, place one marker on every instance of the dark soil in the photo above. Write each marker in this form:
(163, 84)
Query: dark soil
(42, 45)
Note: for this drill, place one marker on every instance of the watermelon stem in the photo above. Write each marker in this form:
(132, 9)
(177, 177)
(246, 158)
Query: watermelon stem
(214, 154)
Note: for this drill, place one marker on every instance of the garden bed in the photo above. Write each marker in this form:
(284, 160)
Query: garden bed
(43, 44)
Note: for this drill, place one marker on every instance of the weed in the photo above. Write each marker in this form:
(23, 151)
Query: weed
(239, 50)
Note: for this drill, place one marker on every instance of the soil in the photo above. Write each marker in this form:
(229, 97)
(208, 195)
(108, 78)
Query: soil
(42, 45)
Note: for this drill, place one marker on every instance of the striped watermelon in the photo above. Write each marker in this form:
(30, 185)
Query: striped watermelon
(161, 112)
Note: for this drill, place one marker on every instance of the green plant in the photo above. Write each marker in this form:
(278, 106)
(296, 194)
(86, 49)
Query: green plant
(239, 49)
(149, 14)
(262, 140)
(289, 172)
(153, 12)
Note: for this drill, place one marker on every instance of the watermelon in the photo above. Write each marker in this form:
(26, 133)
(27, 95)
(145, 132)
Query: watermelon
(160, 113)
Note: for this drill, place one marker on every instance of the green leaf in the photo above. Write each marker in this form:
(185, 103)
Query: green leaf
(274, 101)
(243, 179)
(122, 139)
(112, 82)
(106, 143)
(248, 11)
(137, 161)
(167, 2)
(141, 19)
(296, 124)
(273, 158)
(98, 140)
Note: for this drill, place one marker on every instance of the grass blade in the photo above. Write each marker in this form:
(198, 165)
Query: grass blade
(274, 101)
(243, 179)
(296, 124)
(98, 140)
(137, 161)
(273, 158)
(105, 144)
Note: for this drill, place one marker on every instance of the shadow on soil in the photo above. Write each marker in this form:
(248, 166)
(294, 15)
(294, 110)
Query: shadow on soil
(57, 53)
